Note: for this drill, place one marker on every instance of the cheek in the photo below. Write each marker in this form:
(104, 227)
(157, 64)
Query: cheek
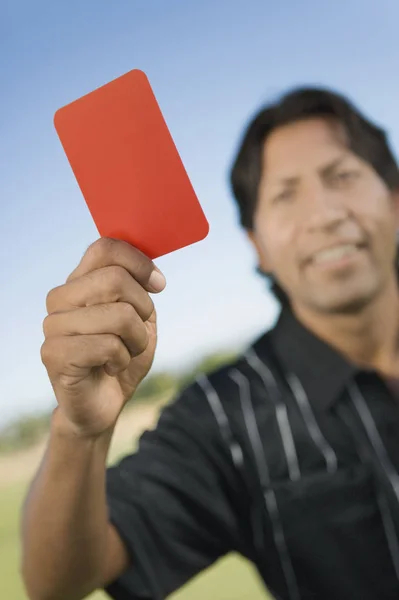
(277, 243)
(379, 220)
(375, 207)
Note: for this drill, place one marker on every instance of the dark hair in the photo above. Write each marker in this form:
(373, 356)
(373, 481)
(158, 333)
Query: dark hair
(365, 139)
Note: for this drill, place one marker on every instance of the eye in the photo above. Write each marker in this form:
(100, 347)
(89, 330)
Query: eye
(283, 196)
(344, 176)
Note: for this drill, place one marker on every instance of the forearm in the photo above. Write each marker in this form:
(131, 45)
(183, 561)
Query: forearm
(64, 528)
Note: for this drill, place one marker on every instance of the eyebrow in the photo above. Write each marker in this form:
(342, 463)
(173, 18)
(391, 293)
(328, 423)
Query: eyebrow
(324, 171)
(330, 168)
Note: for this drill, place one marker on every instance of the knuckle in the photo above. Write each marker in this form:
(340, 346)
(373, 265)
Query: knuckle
(44, 352)
(47, 326)
(148, 307)
(142, 344)
(48, 353)
(127, 313)
(51, 299)
(113, 346)
(116, 278)
(101, 248)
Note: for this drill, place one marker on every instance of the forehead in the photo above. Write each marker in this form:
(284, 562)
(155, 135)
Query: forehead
(292, 149)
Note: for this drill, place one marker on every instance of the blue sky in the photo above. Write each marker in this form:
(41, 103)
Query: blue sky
(211, 65)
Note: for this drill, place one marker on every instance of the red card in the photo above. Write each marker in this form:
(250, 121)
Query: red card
(128, 168)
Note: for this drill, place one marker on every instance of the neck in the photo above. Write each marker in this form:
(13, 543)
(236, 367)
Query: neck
(369, 338)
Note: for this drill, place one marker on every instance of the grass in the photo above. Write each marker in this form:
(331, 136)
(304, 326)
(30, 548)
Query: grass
(230, 579)
(10, 504)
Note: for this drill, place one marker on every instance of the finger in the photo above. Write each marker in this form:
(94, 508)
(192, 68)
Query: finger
(106, 252)
(73, 357)
(103, 286)
(118, 318)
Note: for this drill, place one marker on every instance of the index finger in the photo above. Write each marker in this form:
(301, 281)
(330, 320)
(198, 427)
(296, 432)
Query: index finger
(106, 252)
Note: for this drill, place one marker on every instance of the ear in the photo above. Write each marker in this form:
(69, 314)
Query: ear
(261, 253)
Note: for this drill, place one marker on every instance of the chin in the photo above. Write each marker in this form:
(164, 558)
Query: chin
(345, 301)
(350, 306)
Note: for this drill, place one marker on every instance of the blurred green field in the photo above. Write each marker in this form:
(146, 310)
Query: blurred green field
(231, 579)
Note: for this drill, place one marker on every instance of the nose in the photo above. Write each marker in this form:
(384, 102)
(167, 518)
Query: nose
(324, 209)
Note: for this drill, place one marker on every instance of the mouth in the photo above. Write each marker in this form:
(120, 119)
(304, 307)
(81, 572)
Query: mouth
(337, 255)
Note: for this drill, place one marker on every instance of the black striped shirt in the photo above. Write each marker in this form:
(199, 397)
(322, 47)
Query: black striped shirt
(290, 457)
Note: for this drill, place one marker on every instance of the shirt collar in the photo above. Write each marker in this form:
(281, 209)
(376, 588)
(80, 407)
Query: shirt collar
(322, 370)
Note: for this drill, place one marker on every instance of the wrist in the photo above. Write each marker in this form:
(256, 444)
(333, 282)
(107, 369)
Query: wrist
(62, 427)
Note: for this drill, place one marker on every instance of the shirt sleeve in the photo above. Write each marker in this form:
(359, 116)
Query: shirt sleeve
(174, 501)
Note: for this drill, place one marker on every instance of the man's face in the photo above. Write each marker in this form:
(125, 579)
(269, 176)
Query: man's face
(325, 224)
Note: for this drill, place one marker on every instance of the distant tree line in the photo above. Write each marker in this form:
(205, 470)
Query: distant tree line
(28, 430)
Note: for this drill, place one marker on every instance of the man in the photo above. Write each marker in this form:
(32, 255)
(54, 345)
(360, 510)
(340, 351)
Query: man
(290, 456)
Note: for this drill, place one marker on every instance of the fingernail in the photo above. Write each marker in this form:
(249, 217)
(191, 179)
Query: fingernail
(157, 281)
